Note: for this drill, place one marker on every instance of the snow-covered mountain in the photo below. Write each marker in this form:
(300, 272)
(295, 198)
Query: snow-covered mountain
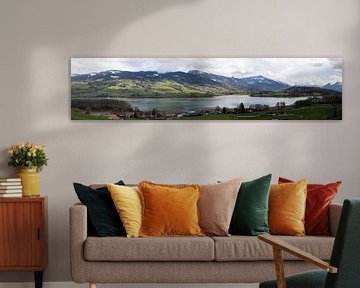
(261, 83)
(193, 77)
(337, 86)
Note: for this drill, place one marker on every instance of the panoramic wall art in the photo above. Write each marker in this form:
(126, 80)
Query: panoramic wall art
(206, 89)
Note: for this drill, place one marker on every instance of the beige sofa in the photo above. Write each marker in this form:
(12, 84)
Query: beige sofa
(234, 259)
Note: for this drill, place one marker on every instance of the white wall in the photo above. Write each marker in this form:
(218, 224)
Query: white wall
(37, 39)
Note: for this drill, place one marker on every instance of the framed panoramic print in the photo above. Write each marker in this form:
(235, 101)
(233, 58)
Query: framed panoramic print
(206, 89)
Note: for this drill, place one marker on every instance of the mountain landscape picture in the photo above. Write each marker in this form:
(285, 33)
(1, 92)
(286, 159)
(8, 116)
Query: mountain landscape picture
(206, 89)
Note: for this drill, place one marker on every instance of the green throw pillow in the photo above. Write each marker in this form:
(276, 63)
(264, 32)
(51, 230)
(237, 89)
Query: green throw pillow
(250, 215)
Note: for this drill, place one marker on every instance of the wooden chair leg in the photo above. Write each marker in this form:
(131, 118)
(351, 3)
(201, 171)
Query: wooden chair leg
(92, 285)
(279, 268)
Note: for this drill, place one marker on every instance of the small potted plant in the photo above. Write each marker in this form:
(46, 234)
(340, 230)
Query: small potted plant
(30, 158)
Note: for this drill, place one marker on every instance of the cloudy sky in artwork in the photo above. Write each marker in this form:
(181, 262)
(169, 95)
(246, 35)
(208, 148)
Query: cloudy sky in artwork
(294, 71)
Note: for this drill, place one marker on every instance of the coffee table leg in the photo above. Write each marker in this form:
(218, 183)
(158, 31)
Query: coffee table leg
(38, 279)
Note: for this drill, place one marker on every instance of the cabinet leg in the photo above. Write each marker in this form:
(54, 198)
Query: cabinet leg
(38, 279)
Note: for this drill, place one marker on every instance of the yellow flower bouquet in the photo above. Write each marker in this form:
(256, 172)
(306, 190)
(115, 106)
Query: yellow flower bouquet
(27, 155)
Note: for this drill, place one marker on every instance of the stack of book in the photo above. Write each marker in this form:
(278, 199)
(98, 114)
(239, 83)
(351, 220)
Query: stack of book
(10, 187)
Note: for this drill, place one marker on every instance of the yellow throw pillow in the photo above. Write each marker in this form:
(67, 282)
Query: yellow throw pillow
(127, 201)
(169, 210)
(287, 204)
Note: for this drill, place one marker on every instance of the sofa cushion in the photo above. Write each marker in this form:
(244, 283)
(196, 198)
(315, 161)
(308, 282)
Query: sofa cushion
(250, 215)
(318, 199)
(169, 210)
(102, 216)
(244, 248)
(287, 204)
(149, 249)
(127, 201)
(216, 206)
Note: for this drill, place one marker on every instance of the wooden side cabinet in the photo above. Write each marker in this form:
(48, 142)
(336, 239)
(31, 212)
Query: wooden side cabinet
(23, 235)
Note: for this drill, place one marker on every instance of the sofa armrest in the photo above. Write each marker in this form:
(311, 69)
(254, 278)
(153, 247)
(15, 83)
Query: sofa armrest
(334, 216)
(78, 235)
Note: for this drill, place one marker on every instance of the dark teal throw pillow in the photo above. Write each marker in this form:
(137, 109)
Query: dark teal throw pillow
(103, 219)
(250, 216)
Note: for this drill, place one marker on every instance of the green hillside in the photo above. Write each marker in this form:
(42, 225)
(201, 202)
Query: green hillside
(137, 88)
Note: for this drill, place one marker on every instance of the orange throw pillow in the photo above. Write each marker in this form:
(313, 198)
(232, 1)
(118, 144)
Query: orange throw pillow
(318, 200)
(287, 204)
(169, 210)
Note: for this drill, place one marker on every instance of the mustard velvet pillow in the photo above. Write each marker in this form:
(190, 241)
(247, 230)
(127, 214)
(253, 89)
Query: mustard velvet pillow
(287, 204)
(169, 210)
(127, 201)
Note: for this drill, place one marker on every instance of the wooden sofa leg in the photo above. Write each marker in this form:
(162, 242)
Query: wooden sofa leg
(92, 285)
(279, 267)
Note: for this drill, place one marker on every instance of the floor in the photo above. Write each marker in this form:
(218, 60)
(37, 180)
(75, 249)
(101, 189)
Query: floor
(74, 285)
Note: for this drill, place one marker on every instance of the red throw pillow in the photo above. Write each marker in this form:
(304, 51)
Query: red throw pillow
(319, 197)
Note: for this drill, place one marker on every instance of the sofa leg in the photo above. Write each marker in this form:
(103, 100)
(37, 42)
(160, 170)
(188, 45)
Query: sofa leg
(92, 285)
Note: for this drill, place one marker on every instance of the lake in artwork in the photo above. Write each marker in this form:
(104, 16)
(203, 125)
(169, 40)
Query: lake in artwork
(206, 89)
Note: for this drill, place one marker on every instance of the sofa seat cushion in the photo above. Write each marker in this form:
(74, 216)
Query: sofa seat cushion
(244, 248)
(149, 249)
